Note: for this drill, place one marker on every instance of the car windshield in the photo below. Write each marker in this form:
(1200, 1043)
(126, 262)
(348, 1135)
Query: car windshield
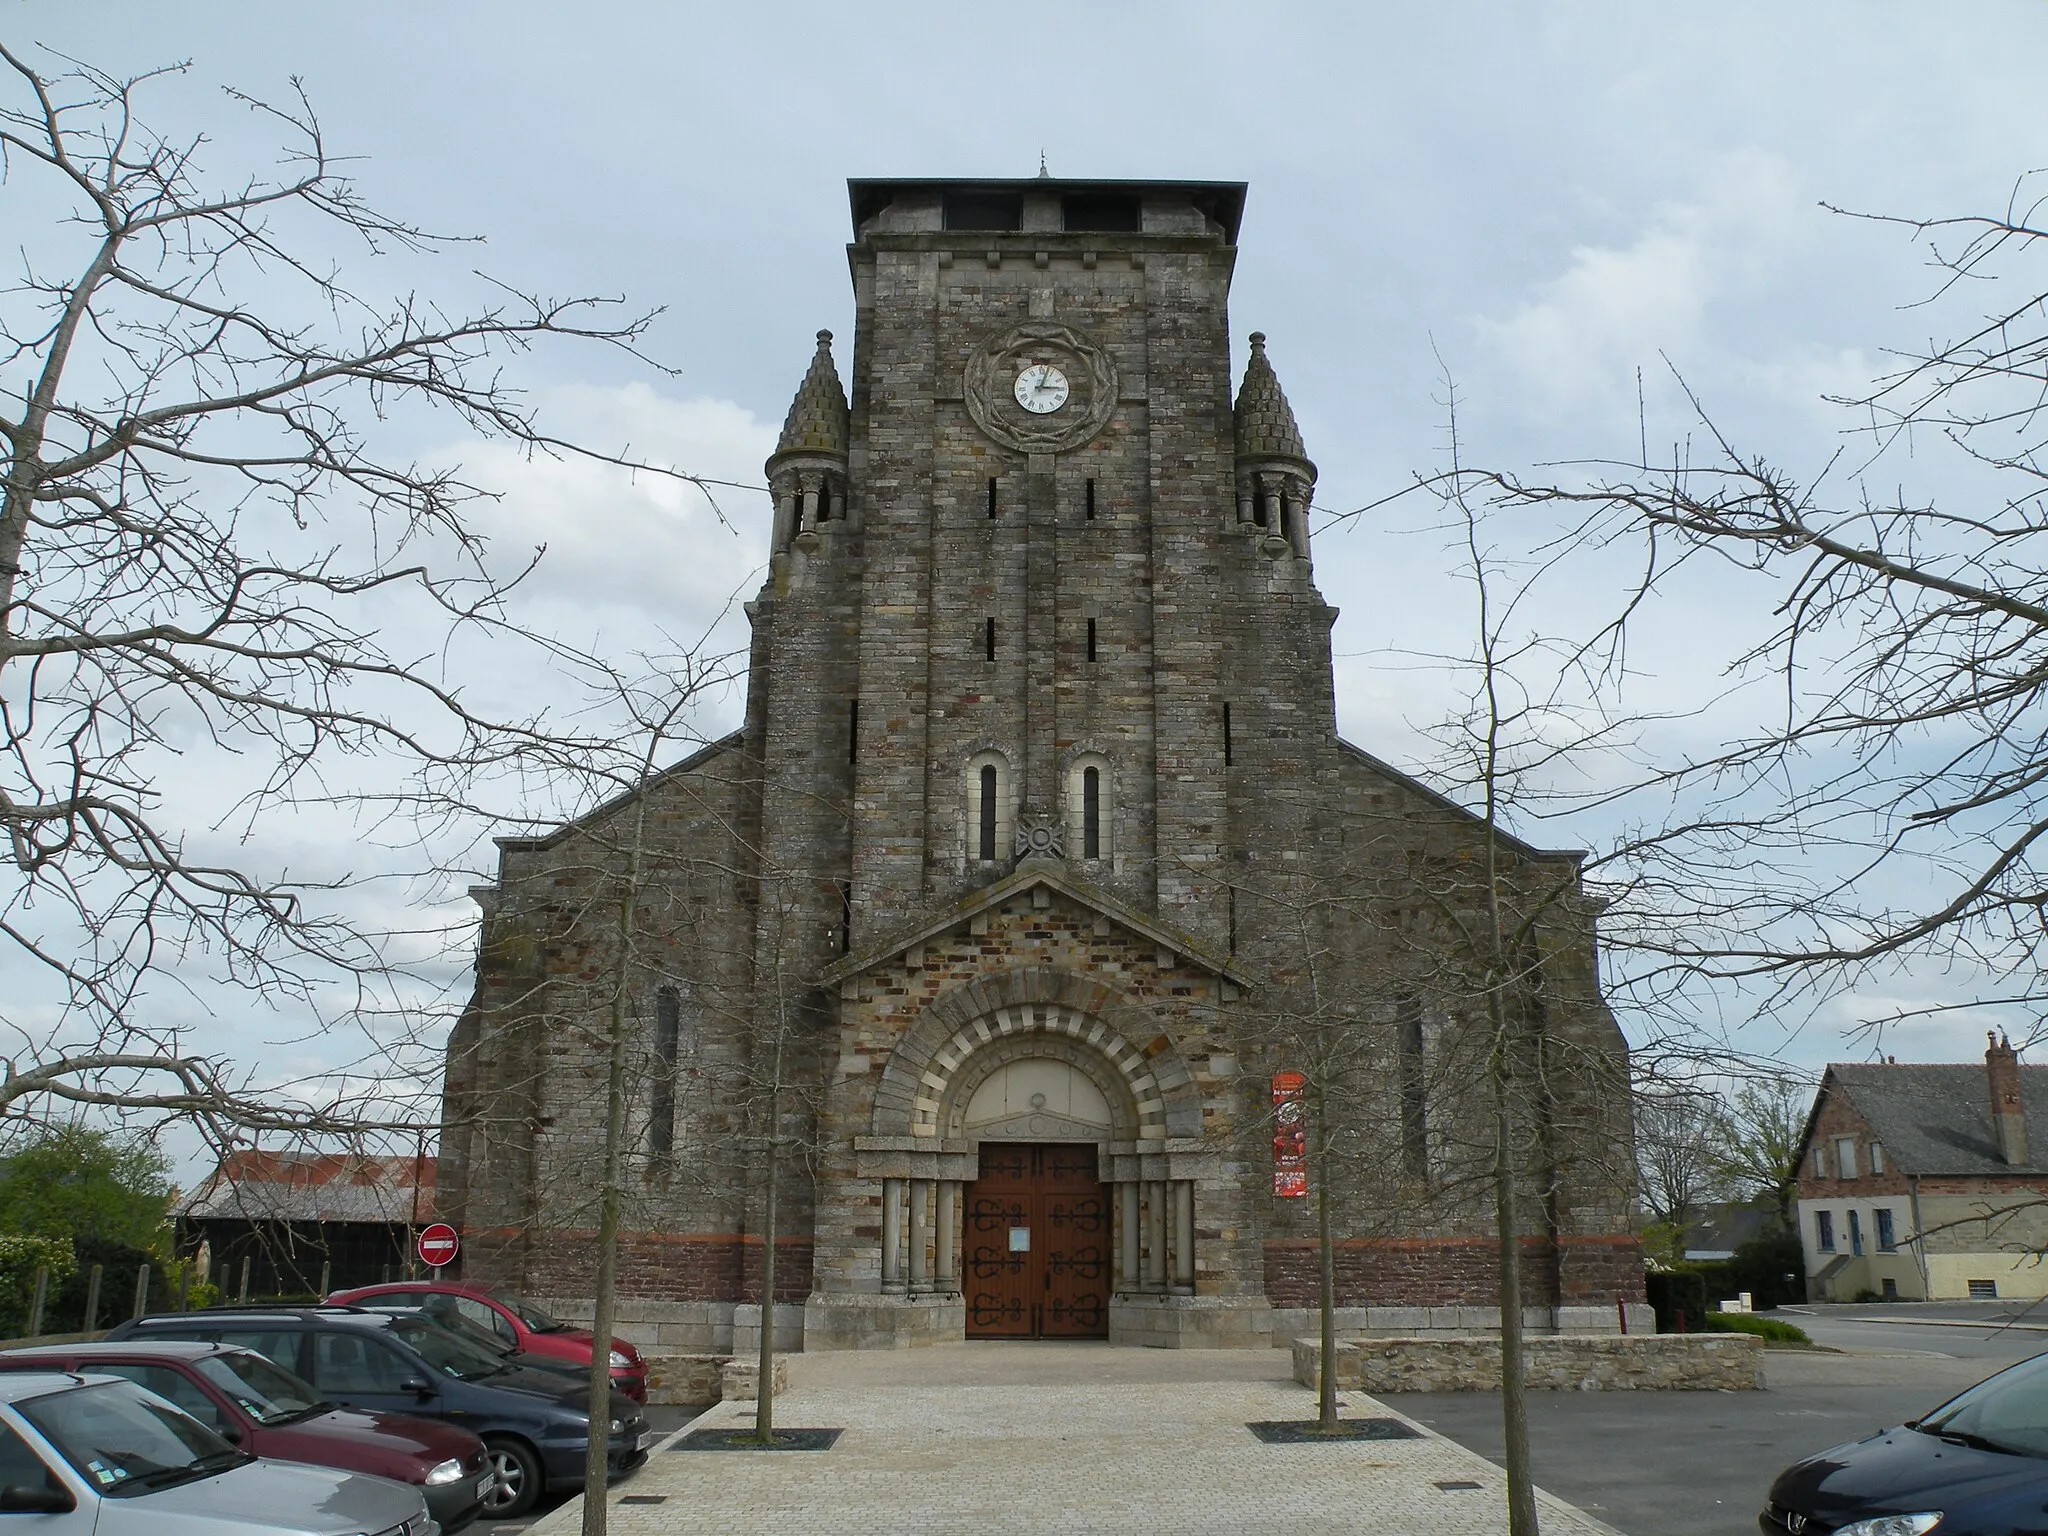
(268, 1393)
(2007, 1413)
(125, 1442)
(446, 1352)
(535, 1319)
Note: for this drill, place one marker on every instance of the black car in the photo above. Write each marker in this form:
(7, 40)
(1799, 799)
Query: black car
(1976, 1466)
(536, 1424)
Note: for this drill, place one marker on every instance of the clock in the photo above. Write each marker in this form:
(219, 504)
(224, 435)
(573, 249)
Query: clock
(1041, 388)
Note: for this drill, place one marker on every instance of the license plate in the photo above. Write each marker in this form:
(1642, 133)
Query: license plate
(647, 1439)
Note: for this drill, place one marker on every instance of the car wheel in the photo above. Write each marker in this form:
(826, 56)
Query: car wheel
(518, 1483)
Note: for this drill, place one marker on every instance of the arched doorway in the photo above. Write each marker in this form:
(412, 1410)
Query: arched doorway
(1036, 1240)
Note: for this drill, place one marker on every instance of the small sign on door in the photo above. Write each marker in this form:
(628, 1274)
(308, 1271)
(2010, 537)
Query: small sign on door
(1020, 1239)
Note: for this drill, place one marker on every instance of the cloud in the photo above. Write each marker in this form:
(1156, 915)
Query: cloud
(1584, 332)
(629, 555)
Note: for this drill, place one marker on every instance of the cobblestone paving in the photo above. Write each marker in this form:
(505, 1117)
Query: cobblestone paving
(1123, 1441)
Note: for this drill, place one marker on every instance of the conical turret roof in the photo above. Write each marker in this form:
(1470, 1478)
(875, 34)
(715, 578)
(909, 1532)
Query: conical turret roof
(817, 417)
(1265, 421)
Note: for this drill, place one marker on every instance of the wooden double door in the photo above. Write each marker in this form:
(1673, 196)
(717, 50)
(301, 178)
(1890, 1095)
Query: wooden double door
(1035, 1244)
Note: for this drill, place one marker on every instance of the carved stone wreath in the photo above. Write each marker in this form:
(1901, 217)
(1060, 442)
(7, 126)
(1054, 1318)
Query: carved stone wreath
(992, 371)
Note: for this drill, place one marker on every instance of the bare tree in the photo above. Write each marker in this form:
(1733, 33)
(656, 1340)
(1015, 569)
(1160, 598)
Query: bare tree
(203, 539)
(1886, 809)
(1761, 1127)
(1681, 1145)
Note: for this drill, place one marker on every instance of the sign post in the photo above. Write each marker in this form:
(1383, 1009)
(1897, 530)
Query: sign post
(1290, 1139)
(437, 1246)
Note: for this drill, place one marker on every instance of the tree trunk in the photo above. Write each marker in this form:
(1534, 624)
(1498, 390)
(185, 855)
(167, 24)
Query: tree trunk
(1326, 1277)
(764, 1384)
(1514, 1389)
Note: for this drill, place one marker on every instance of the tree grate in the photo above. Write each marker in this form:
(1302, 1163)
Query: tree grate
(1309, 1432)
(740, 1438)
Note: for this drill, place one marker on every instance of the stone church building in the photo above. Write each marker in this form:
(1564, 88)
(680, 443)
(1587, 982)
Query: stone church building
(979, 945)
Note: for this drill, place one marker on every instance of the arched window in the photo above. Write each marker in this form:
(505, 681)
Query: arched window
(988, 822)
(985, 822)
(1090, 806)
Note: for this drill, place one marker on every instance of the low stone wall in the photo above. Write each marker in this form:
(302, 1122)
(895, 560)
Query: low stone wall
(1654, 1362)
(697, 1381)
(687, 1327)
(1291, 1323)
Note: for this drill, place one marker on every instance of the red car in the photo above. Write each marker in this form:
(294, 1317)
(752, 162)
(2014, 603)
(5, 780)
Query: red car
(265, 1409)
(518, 1323)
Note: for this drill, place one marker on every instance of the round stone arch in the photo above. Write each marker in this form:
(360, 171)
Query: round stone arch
(1043, 1011)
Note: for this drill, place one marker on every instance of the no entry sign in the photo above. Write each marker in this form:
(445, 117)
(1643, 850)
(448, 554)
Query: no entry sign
(438, 1245)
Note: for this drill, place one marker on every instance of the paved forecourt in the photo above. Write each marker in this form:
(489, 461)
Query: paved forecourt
(1018, 1437)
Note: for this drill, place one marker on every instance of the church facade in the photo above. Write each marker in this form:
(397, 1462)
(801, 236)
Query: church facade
(1037, 960)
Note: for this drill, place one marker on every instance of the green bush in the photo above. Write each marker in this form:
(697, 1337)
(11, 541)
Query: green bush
(1769, 1329)
(20, 1258)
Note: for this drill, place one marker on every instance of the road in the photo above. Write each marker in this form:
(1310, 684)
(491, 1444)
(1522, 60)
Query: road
(1700, 1464)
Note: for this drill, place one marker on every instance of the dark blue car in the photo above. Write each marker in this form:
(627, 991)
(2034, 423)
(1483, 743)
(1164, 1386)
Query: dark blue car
(535, 1424)
(1976, 1466)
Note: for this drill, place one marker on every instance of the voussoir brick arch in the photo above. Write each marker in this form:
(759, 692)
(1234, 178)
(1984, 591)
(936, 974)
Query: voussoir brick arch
(982, 1022)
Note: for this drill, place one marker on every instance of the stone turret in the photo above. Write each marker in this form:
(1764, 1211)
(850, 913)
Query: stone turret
(1275, 479)
(807, 471)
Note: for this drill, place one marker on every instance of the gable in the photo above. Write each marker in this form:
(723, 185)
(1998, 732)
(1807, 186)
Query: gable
(1040, 884)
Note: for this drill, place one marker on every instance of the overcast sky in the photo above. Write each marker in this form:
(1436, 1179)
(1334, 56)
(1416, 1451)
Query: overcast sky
(1542, 199)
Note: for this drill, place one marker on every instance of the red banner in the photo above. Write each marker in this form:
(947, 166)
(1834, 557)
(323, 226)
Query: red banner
(1290, 1138)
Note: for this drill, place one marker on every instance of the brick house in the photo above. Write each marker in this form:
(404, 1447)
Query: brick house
(991, 914)
(1919, 1182)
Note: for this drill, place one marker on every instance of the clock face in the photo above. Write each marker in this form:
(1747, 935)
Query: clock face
(1041, 389)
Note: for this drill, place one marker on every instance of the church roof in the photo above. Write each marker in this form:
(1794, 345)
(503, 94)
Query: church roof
(1265, 421)
(817, 416)
(1025, 879)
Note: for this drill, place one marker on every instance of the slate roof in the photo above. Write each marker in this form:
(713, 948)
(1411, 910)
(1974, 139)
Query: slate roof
(1937, 1119)
(1265, 421)
(817, 420)
(314, 1186)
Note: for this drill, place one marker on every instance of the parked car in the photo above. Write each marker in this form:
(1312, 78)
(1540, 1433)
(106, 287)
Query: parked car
(97, 1455)
(1975, 1466)
(520, 1324)
(254, 1403)
(535, 1425)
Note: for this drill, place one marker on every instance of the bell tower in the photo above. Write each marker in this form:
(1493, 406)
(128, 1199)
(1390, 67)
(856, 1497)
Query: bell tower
(1057, 538)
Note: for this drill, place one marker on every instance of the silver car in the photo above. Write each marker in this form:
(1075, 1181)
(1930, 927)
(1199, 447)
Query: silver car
(99, 1456)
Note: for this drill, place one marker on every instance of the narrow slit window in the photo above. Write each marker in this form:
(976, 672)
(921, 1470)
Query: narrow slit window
(1090, 501)
(853, 730)
(1091, 813)
(846, 917)
(1226, 735)
(986, 834)
(991, 495)
(988, 638)
(1414, 1095)
(668, 1036)
(1091, 639)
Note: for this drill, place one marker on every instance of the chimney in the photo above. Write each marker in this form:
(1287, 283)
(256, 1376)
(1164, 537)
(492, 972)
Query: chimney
(2008, 1110)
